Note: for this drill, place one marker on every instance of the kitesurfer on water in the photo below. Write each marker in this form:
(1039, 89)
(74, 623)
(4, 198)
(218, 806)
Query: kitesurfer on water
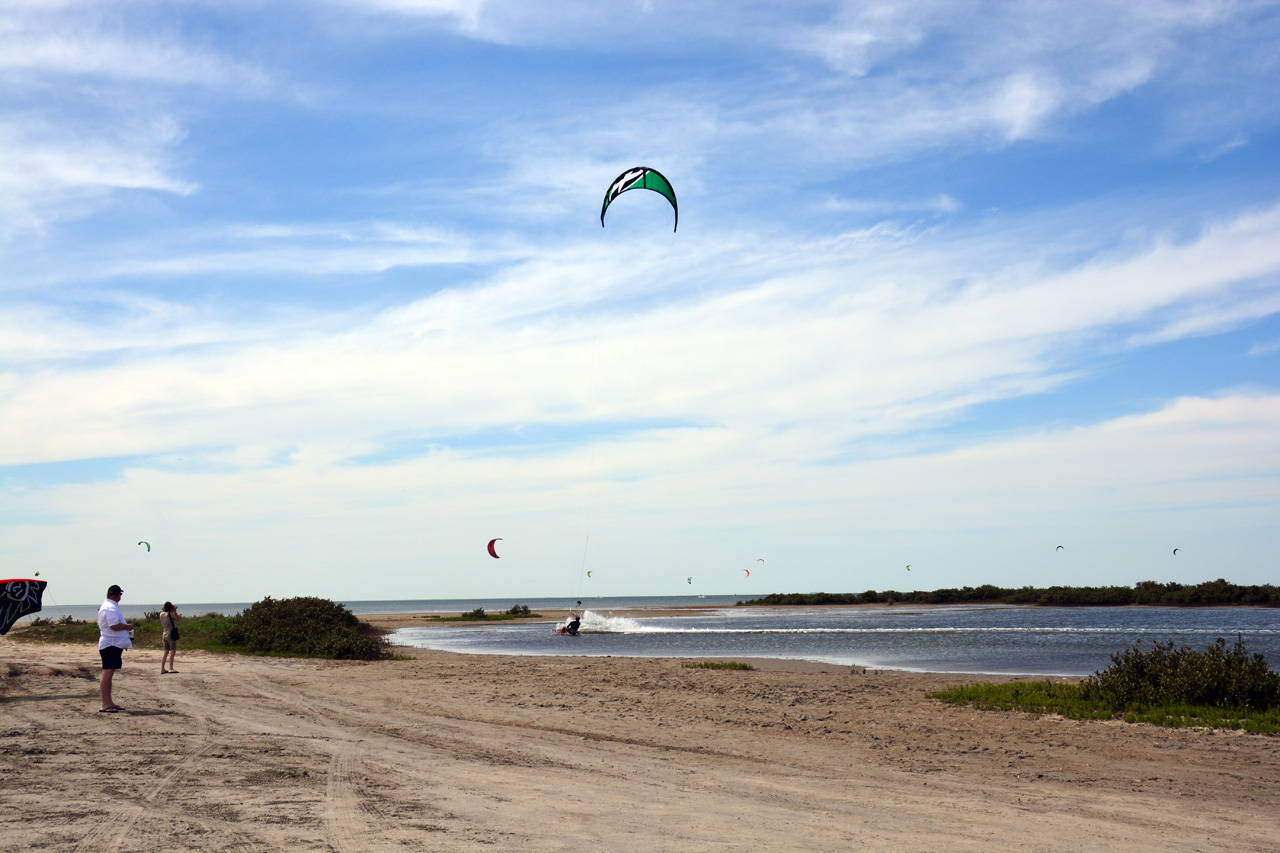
(575, 621)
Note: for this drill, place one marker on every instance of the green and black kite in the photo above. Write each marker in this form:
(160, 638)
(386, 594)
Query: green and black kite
(641, 178)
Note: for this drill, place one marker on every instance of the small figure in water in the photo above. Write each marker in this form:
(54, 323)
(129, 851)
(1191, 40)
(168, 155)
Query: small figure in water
(575, 621)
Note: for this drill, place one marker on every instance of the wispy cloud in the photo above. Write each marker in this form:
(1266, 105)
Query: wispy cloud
(773, 343)
(67, 46)
(1261, 349)
(51, 172)
(940, 204)
(93, 106)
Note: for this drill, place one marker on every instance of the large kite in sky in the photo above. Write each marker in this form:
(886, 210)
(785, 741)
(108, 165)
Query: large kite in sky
(17, 599)
(641, 178)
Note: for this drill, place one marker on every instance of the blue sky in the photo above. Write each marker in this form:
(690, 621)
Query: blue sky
(314, 297)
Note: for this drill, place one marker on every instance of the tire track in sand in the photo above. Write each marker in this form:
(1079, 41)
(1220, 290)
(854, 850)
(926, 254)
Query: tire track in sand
(109, 835)
(343, 820)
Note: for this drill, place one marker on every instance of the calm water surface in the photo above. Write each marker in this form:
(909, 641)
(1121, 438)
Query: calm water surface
(964, 638)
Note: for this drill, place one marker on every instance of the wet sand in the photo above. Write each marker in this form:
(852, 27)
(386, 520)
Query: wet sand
(451, 752)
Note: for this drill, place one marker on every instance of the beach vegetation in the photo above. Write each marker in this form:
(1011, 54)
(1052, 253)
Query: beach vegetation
(1162, 685)
(519, 611)
(198, 632)
(717, 664)
(303, 627)
(1165, 675)
(1217, 593)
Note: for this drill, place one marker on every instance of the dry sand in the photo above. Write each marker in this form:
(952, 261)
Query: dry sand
(459, 752)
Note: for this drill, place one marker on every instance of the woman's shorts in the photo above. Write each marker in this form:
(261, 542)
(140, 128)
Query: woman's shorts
(112, 657)
(169, 643)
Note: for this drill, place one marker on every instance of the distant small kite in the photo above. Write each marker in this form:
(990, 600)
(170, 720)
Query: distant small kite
(690, 580)
(493, 552)
(1175, 551)
(148, 544)
(588, 574)
(908, 567)
(1060, 548)
(748, 571)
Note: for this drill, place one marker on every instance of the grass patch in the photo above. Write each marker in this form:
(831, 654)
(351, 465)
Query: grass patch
(1033, 697)
(1047, 697)
(197, 632)
(1164, 686)
(716, 664)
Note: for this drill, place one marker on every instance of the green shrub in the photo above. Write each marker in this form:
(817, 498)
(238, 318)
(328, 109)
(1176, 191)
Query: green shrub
(518, 610)
(304, 627)
(1164, 675)
(711, 664)
(1164, 686)
(478, 613)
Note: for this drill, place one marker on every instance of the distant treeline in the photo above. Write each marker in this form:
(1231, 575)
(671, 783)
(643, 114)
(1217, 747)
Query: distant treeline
(1217, 592)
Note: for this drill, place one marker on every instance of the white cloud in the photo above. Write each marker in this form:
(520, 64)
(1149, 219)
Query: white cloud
(998, 72)
(1119, 494)
(890, 348)
(96, 93)
(1266, 348)
(462, 13)
(52, 172)
(939, 204)
(68, 47)
(1021, 104)
(620, 26)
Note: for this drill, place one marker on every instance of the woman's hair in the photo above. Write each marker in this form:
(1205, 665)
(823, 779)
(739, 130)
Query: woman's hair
(168, 605)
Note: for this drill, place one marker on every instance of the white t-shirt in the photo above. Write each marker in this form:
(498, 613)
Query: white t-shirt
(108, 615)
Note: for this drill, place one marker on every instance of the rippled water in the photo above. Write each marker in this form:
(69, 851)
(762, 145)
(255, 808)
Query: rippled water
(972, 638)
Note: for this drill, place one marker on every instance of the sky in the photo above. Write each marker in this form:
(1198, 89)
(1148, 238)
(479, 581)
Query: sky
(315, 297)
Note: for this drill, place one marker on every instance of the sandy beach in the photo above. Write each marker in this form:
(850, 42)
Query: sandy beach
(456, 752)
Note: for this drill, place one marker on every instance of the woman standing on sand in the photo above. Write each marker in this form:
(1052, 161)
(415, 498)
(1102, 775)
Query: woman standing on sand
(169, 624)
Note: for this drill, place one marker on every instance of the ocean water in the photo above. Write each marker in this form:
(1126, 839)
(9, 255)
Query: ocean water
(993, 639)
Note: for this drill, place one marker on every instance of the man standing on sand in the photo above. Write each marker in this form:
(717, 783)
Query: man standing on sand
(113, 639)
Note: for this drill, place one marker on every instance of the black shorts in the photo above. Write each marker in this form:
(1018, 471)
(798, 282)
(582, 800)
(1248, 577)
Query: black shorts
(112, 657)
